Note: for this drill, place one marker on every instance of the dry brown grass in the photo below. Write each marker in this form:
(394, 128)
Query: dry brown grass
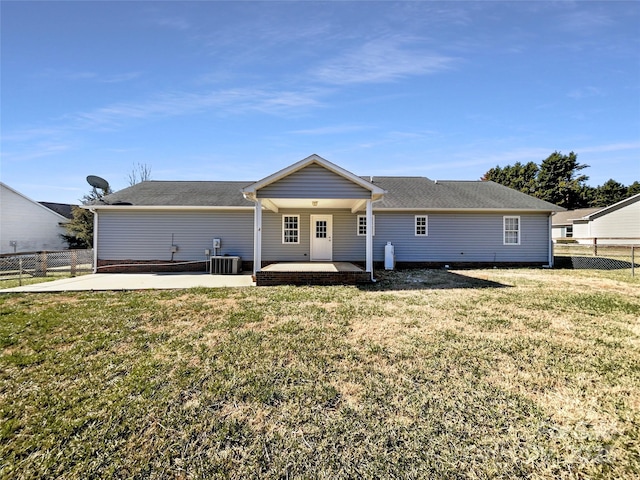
(427, 374)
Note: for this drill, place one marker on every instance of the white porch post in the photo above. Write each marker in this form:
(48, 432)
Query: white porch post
(257, 237)
(369, 242)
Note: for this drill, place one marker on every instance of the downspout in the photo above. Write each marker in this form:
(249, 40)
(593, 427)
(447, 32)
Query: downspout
(550, 241)
(257, 241)
(369, 239)
(257, 231)
(95, 239)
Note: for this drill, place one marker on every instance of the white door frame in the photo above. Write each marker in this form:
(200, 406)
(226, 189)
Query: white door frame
(329, 239)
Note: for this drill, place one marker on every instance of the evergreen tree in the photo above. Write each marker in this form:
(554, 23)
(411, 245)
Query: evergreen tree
(80, 228)
(559, 182)
(609, 193)
(633, 189)
(556, 180)
(519, 177)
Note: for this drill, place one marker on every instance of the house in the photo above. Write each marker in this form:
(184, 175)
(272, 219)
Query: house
(64, 209)
(562, 222)
(617, 224)
(316, 211)
(28, 226)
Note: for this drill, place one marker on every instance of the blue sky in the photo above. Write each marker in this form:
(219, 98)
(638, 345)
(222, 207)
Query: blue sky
(238, 90)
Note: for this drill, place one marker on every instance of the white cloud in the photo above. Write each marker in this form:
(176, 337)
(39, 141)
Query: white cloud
(381, 60)
(584, 21)
(331, 130)
(585, 92)
(611, 147)
(37, 151)
(88, 76)
(171, 22)
(173, 104)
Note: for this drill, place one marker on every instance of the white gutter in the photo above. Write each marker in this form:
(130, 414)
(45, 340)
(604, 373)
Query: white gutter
(452, 210)
(95, 238)
(124, 208)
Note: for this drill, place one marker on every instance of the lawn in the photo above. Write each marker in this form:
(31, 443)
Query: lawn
(426, 374)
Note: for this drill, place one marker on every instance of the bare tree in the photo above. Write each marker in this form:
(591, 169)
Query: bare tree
(140, 172)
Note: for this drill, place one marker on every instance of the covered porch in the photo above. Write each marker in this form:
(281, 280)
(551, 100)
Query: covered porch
(311, 273)
(300, 212)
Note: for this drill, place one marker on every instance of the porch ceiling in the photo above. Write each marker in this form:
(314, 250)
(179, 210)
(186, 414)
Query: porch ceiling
(275, 204)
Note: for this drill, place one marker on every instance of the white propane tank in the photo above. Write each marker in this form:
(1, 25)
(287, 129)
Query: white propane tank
(389, 257)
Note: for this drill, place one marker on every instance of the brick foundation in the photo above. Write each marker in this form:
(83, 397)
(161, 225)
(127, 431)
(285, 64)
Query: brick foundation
(292, 278)
(460, 265)
(268, 278)
(152, 266)
(149, 266)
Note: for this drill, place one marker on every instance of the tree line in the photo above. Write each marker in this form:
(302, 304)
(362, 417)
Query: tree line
(558, 179)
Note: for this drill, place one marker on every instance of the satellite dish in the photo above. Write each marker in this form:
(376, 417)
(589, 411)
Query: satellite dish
(98, 182)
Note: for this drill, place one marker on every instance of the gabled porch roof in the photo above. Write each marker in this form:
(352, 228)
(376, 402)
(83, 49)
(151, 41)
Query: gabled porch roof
(335, 194)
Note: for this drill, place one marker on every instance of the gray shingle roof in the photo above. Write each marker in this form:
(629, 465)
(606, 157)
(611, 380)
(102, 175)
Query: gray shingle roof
(170, 193)
(402, 192)
(567, 217)
(423, 193)
(64, 209)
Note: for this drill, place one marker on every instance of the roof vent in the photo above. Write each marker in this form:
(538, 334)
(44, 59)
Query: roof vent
(435, 181)
(371, 179)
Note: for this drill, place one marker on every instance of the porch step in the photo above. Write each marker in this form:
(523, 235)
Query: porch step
(312, 273)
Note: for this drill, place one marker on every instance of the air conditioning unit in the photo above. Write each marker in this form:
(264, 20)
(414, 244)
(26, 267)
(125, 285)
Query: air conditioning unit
(223, 265)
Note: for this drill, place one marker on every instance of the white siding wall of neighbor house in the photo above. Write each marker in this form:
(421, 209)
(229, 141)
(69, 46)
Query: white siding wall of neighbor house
(452, 237)
(621, 223)
(149, 235)
(581, 233)
(559, 232)
(313, 181)
(32, 226)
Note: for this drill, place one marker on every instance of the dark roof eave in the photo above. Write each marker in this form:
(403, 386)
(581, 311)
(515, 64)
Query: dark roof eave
(463, 209)
(168, 207)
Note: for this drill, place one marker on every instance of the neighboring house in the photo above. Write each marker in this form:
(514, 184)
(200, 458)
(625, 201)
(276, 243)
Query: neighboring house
(63, 209)
(562, 222)
(28, 226)
(315, 211)
(618, 224)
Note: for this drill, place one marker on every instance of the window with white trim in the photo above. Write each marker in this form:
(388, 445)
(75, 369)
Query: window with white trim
(291, 229)
(362, 225)
(511, 230)
(422, 225)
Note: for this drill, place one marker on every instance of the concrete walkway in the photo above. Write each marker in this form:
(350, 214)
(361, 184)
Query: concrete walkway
(136, 281)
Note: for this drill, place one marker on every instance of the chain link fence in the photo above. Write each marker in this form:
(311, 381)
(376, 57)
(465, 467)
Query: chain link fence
(19, 269)
(597, 256)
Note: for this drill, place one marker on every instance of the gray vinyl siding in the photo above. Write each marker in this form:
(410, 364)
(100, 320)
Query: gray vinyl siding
(149, 235)
(313, 181)
(453, 237)
(347, 246)
(461, 237)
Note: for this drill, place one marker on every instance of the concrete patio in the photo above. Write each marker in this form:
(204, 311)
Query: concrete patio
(136, 281)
